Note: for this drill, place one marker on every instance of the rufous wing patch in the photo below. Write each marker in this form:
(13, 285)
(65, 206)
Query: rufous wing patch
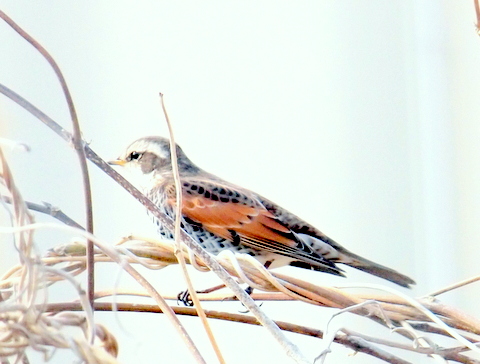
(254, 223)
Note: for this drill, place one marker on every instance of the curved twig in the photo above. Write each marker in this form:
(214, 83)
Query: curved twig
(77, 144)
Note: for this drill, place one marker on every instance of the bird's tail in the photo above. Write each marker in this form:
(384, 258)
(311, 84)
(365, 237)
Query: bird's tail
(380, 271)
(334, 252)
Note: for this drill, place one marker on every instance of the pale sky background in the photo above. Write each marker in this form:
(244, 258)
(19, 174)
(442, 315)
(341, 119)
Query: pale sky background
(360, 117)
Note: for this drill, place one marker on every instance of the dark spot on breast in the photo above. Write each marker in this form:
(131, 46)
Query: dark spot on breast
(224, 199)
(201, 190)
(214, 197)
(193, 187)
(235, 237)
(234, 200)
(186, 184)
(206, 194)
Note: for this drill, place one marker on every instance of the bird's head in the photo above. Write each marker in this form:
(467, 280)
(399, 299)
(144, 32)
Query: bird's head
(149, 160)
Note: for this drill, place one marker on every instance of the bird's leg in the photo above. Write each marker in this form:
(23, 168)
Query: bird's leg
(249, 289)
(185, 298)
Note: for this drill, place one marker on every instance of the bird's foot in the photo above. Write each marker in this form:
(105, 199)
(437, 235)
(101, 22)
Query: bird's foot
(185, 298)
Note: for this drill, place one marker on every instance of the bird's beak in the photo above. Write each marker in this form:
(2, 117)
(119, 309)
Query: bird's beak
(117, 162)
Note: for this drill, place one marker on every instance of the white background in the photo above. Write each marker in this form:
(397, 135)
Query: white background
(361, 117)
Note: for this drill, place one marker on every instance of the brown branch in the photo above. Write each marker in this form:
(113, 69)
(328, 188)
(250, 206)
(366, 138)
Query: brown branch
(357, 342)
(456, 318)
(381, 312)
(354, 343)
(77, 143)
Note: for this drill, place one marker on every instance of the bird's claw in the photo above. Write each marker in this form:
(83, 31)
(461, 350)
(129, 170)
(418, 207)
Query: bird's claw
(185, 298)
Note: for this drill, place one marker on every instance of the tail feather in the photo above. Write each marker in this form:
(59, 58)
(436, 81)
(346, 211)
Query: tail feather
(334, 252)
(382, 272)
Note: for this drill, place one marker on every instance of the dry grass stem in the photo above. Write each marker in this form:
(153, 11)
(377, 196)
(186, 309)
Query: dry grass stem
(454, 286)
(178, 242)
(391, 308)
(77, 141)
(23, 321)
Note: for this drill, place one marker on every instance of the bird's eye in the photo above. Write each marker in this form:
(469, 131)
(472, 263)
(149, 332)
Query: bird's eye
(134, 156)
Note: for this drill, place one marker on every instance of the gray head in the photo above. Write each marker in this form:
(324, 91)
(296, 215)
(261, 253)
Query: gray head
(148, 159)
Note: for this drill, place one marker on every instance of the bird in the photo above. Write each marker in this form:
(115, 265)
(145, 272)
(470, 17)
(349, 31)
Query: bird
(220, 215)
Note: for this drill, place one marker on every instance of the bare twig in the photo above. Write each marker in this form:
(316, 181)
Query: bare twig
(425, 311)
(357, 342)
(454, 286)
(447, 314)
(178, 242)
(21, 323)
(77, 143)
(49, 209)
(397, 313)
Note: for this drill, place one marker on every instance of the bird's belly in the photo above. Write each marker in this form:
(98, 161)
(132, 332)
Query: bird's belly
(210, 242)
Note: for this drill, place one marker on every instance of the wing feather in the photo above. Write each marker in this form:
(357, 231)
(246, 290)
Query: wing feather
(221, 209)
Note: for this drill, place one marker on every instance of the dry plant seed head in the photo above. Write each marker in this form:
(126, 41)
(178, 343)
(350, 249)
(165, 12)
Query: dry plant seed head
(222, 216)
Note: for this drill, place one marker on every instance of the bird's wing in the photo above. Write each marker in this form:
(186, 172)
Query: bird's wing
(325, 246)
(235, 214)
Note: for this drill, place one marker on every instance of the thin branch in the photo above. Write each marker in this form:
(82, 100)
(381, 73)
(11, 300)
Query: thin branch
(49, 209)
(454, 286)
(422, 307)
(178, 242)
(77, 143)
(445, 313)
(457, 318)
(22, 310)
(354, 342)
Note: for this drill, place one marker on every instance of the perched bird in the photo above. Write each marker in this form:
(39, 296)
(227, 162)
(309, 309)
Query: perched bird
(220, 215)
